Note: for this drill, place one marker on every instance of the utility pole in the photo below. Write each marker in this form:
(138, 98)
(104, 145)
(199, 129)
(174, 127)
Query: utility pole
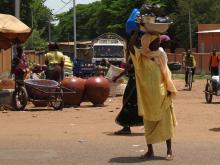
(17, 9)
(69, 44)
(32, 26)
(49, 29)
(74, 27)
(190, 31)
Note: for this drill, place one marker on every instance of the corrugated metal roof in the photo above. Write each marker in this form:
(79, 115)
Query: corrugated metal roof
(209, 31)
(72, 43)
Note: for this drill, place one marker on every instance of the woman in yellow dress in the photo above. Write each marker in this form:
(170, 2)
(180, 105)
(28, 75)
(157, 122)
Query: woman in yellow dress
(154, 91)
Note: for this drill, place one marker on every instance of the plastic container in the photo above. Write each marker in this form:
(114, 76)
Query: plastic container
(114, 71)
(174, 66)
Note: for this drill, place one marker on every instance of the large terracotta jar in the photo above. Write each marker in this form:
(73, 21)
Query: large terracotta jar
(97, 90)
(78, 86)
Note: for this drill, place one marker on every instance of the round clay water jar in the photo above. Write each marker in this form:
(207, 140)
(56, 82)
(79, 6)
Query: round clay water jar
(78, 86)
(97, 90)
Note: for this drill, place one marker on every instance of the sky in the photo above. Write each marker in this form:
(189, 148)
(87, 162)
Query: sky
(58, 6)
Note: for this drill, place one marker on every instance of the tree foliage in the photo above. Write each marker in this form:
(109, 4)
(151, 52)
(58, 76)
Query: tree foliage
(35, 41)
(110, 16)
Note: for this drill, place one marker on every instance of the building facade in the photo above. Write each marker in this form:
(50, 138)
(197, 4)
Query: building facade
(208, 37)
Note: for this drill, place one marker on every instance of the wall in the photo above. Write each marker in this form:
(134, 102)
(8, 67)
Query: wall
(5, 60)
(202, 61)
(35, 57)
(208, 41)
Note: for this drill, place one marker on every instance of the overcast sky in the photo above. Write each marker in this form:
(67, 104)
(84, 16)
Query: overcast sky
(58, 5)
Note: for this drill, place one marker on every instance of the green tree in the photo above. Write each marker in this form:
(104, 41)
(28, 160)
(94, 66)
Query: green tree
(42, 15)
(202, 11)
(35, 41)
(97, 18)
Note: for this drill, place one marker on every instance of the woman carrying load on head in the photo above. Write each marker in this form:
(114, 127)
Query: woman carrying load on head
(54, 60)
(128, 116)
(154, 85)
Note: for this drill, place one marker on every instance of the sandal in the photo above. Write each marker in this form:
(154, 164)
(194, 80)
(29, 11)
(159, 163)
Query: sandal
(169, 157)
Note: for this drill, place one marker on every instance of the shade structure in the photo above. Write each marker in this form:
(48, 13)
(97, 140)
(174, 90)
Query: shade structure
(12, 31)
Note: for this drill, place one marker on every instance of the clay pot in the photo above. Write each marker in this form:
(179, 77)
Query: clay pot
(75, 84)
(97, 90)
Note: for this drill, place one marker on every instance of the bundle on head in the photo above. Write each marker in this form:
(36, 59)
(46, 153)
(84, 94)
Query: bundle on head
(154, 10)
(151, 10)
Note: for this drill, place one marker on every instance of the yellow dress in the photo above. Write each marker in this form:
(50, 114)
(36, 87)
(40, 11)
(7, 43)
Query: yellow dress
(153, 103)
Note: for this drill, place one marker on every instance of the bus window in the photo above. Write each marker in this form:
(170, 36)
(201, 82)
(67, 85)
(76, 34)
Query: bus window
(108, 51)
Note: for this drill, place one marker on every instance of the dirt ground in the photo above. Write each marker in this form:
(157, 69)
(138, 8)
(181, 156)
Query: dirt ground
(84, 136)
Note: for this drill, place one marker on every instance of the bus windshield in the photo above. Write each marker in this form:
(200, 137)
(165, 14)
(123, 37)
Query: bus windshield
(108, 51)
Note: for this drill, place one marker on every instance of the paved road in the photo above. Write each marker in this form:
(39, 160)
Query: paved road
(84, 136)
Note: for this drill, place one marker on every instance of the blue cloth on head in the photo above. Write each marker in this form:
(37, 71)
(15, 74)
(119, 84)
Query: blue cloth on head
(131, 24)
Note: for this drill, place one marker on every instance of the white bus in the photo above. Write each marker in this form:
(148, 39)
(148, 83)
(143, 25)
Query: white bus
(111, 47)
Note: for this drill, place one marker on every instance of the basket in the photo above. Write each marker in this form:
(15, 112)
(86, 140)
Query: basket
(114, 71)
(174, 66)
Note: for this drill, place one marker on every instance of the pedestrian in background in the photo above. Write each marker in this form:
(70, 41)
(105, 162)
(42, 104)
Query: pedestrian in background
(213, 64)
(19, 64)
(54, 60)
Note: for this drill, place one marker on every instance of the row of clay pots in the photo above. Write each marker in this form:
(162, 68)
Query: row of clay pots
(95, 89)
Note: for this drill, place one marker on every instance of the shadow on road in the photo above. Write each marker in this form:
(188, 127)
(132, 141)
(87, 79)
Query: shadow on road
(132, 134)
(215, 129)
(86, 106)
(184, 89)
(33, 109)
(133, 159)
(210, 103)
